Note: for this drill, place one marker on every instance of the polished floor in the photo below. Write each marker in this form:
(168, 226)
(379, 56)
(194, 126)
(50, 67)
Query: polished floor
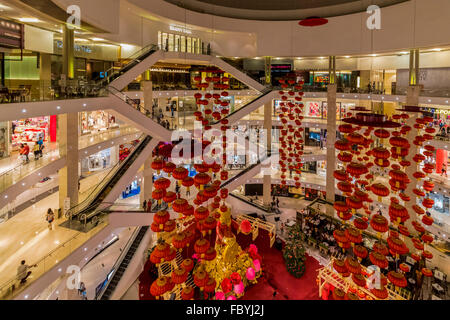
(26, 236)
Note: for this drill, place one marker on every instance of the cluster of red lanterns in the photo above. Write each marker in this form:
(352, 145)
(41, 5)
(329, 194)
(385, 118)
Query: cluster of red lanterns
(291, 139)
(355, 179)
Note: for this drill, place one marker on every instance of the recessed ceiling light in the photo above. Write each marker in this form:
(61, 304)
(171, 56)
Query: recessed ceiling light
(373, 55)
(97, 39)
(437, 49)
(404, 52)
(346, 57)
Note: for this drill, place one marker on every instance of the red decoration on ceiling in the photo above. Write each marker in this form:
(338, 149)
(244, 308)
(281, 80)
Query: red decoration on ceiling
(313, 22)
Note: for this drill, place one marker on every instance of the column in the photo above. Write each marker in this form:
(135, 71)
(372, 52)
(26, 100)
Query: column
(147, 181)
(45, 75)
(412, 95)
(68, 52)
(268, 70)
(147, 88)
(331, 135)
(267, 179)
(68, 147)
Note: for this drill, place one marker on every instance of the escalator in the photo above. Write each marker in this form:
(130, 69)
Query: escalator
(89, 208)
(121, 265)
(249, 107)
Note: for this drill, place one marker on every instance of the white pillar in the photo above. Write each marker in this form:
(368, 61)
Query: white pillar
(267, 179)
(147, 181)
(331, 139)
(68, 146)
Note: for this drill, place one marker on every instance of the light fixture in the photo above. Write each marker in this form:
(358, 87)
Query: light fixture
(29, 20)
(373, 55)
(97, 39)
(437, 49)
(346, 57)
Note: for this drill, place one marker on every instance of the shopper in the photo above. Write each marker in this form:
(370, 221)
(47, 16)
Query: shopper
(149, 206)
(23, 272)
(49, 217)
(26, 151)
(36, 150)
(144, 205)
(444, 171)
(81, 288)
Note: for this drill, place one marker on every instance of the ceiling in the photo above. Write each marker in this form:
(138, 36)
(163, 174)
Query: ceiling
(279, 9)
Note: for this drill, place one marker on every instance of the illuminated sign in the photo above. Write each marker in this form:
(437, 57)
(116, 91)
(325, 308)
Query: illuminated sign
(77, 47)
(180, 29)
(11, 34)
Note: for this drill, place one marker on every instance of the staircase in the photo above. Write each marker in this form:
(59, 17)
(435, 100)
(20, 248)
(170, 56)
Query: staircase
(123, 264)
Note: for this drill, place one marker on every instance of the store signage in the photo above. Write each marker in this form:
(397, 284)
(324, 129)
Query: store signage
(180, 29)
(281, 67)
(103, 74)
(11, 34)
(433, 110)
(77, 47)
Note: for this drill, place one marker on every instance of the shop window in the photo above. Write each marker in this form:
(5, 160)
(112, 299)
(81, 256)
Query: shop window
(177, 43)
(171, 42)
(183, 44)
(189, 44)
(29, 131)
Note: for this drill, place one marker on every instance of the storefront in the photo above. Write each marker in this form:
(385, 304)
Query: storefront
(96, 121)
(132, 189)
(319, 109)
(4, 140)
(184, 42)
(441, 203)
(96, 162)
(31, 130)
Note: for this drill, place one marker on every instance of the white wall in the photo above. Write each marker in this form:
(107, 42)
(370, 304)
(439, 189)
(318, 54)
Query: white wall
(38, 39)
(418, 23)
(103, 14)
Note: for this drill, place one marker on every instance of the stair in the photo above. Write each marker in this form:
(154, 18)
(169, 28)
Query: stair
(124, 264)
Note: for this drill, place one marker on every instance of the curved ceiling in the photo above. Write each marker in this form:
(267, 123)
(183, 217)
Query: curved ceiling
(279, 9)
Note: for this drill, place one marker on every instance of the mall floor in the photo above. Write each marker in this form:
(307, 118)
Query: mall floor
(26, 236)
(12, 168)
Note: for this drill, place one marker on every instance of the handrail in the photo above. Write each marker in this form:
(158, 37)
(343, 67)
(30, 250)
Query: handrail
(96, 191)
(264, 93)
(119, 261)
(134, 57)
(9, 283)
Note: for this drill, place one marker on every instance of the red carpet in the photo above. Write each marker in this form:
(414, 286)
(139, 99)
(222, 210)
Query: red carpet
(275, 276)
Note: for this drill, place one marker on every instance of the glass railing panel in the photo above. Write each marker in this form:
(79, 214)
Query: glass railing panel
(10, 285)
(23, 169)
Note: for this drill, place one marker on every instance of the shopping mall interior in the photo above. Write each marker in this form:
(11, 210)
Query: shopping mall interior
(224, 150)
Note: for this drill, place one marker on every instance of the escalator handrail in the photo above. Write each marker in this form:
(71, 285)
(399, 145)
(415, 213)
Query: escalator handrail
(228, 61)
(134, 57)
(119, 261)
(246, 170)
(115, 92)
(87, 203)
(260, 207)
(264, 93)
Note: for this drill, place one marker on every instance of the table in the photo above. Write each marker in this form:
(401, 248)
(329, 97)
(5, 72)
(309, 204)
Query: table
(410, 260)
(290, 223)
(437, 287)
(438, 275)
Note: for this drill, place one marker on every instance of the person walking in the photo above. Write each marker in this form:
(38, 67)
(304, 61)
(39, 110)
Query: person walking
(144, 205)
(81, 288)
(278, 202)
(26, 151)
(41, 145)
(23, 272)
(49, 217)
(36, 150)
(149, 206)
(444, 171)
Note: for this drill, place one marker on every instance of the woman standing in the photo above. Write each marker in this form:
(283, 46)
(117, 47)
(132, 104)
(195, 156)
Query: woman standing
(50, 217)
